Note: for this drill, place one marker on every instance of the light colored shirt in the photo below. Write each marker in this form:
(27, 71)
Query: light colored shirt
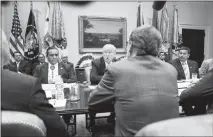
(52, 74)
(186, 69)
(17, 64)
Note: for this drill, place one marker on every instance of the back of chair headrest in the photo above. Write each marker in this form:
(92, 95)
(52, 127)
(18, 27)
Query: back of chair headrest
(20, 124)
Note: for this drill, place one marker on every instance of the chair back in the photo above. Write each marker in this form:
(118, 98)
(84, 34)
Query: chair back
(20, 124)
(201, 125)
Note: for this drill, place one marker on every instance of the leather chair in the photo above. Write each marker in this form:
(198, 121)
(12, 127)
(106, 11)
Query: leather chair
(21, 124)
(201, 125)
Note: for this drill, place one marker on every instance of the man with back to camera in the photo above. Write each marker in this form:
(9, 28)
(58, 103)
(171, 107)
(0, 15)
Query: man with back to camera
(195, 99)
(24, 93)
(48, 72)
(143, 88)
(183, 65)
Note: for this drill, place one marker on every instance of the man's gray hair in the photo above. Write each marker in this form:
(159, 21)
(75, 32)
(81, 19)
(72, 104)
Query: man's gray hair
(146, 39)
(109, 46)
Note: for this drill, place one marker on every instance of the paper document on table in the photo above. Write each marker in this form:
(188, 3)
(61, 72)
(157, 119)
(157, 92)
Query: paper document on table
(48, 93)
(48, 86)
(183, 85)
(58, 103)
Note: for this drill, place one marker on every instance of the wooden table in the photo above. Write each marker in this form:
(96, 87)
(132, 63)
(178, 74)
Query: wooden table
(72, 108)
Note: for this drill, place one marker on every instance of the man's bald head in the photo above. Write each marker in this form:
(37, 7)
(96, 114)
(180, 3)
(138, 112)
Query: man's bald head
(109, 52)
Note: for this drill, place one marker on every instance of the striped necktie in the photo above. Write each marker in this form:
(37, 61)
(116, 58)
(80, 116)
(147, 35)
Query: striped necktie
(185, 69)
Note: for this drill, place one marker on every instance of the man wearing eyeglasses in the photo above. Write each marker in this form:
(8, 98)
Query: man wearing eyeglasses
(49, 71)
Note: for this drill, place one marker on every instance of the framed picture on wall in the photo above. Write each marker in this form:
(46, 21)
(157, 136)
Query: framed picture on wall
(95, 32)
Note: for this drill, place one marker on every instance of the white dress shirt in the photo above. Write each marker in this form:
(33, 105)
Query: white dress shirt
(17, 64)
(186, 69)
(52, 74)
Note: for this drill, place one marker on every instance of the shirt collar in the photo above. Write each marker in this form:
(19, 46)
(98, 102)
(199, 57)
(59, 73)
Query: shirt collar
(185, 62)
(53, 65)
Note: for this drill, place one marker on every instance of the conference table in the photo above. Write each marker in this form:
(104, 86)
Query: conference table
(80, 104)
(68, 106)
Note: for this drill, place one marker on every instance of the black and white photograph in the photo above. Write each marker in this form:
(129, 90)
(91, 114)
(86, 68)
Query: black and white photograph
(106, 68)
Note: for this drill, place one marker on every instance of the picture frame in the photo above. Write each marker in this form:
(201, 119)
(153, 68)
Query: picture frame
(95, 32)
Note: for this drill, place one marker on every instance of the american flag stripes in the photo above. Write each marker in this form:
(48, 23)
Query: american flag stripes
(140, 20)
(16, 39)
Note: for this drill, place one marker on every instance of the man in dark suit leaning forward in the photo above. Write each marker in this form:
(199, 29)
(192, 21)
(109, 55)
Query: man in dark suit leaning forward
(20, 92)
(183, 65)
(142, 87)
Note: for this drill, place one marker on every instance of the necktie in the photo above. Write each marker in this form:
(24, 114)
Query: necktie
(17, 64)
(52, 68)
(185, 69)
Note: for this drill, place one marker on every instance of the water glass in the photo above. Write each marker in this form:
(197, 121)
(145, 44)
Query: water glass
(194, 76)
(59, 91)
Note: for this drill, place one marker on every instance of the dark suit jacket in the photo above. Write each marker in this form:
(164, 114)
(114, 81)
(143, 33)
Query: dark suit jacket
(98, 69)
(67, 73)
(34, 66)
(193, 68)
(200, 93)
(143, 89)
(24, 67)
(24, 93)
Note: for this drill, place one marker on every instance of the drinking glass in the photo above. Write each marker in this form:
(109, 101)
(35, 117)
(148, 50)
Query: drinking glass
(194, 76)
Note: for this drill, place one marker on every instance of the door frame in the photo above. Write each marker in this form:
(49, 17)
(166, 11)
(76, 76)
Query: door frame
(199, 27)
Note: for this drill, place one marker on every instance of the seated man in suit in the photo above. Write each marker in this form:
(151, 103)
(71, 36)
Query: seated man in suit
(98, 68)
(183, 65)
(99, 65)
(41, 60)
(200, 95)
(20, 65)
(48, 72)
(162, 56)
(206, 66)
(64, 59)
(24, 93)
(142, 87)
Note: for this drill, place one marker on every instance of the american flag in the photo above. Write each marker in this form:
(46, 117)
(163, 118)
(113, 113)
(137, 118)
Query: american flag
(16, 39)
(140, 20)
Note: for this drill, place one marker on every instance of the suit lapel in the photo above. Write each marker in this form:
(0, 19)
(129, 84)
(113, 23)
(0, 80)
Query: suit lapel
(60, 69)
(15, 66)
(44, 72)
(102, 64)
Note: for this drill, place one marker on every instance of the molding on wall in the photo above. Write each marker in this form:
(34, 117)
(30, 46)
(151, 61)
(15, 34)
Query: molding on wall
(205, 27)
